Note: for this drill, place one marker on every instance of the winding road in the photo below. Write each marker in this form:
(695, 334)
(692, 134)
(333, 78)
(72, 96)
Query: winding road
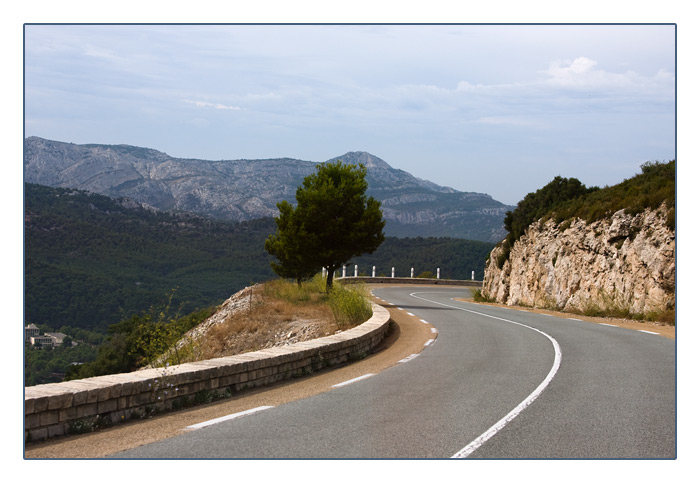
(484, 382)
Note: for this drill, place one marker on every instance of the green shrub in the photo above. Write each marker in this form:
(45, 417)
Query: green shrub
(565, 198)
(479, 296)
(350, 304)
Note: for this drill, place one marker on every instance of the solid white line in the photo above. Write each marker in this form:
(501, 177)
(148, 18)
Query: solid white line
(648, 332)
(406, 359)
(352, 380)
(226, 418)
(474, 445)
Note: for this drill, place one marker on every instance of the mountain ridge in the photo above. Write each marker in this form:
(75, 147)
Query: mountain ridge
(243, 189)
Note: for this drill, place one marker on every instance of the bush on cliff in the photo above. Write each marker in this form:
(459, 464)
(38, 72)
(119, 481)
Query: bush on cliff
(566, 198)
(536, 205)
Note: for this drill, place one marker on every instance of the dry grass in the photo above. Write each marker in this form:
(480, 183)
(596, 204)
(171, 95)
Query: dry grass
(282, 313)
(268, 323)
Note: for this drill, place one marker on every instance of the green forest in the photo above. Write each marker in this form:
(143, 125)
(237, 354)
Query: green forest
(93, 262)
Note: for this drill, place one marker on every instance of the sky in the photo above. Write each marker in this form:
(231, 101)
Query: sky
(496, 109)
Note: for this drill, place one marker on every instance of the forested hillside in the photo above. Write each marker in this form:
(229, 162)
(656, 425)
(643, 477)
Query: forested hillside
(92, 261)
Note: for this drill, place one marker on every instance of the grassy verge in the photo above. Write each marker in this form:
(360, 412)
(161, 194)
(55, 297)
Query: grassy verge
(285, 312)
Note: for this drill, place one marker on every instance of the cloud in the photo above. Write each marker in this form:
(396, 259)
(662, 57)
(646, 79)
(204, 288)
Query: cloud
(213, 105)
(583, 72)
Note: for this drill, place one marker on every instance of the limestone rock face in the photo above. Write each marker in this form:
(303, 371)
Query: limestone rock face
(624, 261)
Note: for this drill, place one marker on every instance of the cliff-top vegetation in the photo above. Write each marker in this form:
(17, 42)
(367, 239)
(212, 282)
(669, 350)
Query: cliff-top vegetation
(566, 198)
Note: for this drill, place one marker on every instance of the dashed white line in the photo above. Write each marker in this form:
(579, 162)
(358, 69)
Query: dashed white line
(571, 318)
(609, 325)
(648, 332)
(430, 341)
(433, 330)
(406, 359)
(226, 418)
(409, 313)
(352, 380)
(424, 321)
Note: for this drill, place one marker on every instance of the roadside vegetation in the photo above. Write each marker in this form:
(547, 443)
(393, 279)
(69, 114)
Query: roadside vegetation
(279, 312)
(565, 198)
(284, 312)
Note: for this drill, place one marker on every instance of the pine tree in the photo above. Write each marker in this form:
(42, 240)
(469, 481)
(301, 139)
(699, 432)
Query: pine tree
(333, 221)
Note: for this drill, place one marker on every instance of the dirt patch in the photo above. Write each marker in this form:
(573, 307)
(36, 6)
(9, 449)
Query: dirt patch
(252, 320)
(664, 330)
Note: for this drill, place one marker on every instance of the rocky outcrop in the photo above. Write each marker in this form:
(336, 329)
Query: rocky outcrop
(622, 263)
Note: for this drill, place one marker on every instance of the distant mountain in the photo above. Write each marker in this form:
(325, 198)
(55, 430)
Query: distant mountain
(240, 190)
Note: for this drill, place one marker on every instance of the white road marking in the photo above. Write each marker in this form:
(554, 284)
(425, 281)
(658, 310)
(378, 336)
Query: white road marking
(406, 359)
(424, 321)
(429, 342)
(571, 318)
(433, 330)
(352, 380)
(226, 418)
(648, 332)
(409, 313)
(609, 325)
(474, 445)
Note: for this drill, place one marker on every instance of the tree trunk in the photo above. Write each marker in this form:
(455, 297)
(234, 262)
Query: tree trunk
(329, 279)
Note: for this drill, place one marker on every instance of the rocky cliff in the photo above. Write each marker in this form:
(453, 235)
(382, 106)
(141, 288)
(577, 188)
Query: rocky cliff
(623, 264)
(241, 190)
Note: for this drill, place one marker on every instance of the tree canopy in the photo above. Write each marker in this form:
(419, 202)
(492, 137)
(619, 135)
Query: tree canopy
(537, 204)
(334, 220)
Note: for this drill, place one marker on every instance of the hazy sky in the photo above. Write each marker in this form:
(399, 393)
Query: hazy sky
(497, 109)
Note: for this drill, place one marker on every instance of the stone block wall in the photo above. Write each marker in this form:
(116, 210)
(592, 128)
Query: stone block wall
(63, 408)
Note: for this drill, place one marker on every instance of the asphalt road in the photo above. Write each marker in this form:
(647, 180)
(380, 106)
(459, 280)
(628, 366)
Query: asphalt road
(493, 383)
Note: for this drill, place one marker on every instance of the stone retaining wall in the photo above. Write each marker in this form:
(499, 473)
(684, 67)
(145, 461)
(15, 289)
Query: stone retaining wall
(74, 406)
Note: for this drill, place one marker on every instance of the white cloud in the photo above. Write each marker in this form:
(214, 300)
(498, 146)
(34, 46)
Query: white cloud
(212, 105)
(583, 72)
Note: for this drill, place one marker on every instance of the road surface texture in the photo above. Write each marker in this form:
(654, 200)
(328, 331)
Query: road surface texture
(483, 382)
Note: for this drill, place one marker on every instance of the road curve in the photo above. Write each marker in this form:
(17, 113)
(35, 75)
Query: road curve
(493, 383)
